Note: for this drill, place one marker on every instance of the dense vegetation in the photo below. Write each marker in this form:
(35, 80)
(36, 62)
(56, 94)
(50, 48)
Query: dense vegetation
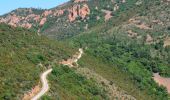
(120, 66)
(21, 51)
(127, 61)
(130, 59)
(116, 56)
(66, 83)
(60, 28)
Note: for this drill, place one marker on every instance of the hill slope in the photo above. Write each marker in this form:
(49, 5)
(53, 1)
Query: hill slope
(129, 38)
(21, 51)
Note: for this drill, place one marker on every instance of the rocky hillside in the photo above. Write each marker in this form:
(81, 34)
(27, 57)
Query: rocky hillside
(75, 16)
(124, 42)
(39, 19)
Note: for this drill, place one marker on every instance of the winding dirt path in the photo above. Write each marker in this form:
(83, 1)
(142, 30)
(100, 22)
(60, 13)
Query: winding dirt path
(44, 81)
(72, 62)
(113, 90)
(45, 86)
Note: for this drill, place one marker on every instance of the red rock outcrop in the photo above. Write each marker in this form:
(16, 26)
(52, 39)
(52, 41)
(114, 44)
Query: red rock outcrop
(73, 13)
(12, 20)
(46, 13)
(58, 12)
(84, 11)
(22, 21)
(43, 20)
(77, 1)
(77, 11)
(108, 14)
(2, 20)
(15, 20)
(31, 19)
(37, 18)
(26, 25)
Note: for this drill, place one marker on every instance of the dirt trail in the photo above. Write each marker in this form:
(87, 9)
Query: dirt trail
(45, 86)
(113, 91)
(31, 93)
(162, 81)
(72, 62)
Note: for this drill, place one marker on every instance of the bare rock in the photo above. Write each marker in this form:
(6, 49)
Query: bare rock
(46, 13)
(108, 14)
(167, 42)
(149, 39)
(132, 34)
(43, 20)
(77, 11)
(116, 7)
(58, 12)
(26, 25)
(77, 1)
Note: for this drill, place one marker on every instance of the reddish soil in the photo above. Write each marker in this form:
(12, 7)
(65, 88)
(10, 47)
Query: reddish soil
(77, 1)
(78, 11)
(108, 14)
(30, 94)
(162, 81)
(72, 62)
(43, 21)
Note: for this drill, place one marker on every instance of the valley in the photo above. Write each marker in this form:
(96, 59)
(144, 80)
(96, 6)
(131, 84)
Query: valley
(87, 50)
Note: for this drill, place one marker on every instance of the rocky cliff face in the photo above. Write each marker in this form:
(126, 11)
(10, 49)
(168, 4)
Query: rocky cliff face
(78, 11)
(73, 10)
(77, 1)
(74, 16)
(32, 20)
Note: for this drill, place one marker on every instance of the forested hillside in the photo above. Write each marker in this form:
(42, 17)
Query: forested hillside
(24, 55)
(124, 41)
(131, 46)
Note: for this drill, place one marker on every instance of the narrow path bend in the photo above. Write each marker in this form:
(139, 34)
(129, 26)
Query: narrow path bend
(113, 90)
(45, 86)
(44, 81)
(71, 61)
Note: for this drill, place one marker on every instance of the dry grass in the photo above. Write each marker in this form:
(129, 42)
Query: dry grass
(167, 42)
